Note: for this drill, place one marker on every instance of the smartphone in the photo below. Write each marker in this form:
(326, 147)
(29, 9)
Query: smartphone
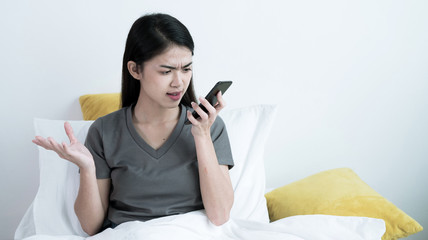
(212, 96)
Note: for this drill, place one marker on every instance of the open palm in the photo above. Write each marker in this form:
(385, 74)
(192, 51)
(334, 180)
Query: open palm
(74, 152)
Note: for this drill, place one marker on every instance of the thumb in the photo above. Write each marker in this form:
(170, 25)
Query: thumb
(69, 132)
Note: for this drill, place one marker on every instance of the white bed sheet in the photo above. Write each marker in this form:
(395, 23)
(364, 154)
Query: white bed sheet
(196, 226)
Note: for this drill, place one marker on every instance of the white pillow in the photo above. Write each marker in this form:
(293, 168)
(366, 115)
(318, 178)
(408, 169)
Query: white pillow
(248, 129)
(52, 211)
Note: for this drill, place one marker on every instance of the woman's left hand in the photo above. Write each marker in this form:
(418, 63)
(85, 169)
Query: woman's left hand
(202, 125)
(215, 184)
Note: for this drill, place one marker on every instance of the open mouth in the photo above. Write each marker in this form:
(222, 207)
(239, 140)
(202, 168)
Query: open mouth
(174, 95)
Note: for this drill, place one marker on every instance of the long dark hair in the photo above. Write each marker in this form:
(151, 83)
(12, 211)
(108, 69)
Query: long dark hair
(149, 36)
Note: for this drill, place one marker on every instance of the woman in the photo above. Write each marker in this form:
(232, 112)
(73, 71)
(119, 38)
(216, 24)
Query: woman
(142, 162)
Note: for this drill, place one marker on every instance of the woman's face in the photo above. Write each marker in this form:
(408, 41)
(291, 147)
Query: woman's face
(165, 78)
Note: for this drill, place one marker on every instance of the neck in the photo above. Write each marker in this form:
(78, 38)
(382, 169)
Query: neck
(145, 114)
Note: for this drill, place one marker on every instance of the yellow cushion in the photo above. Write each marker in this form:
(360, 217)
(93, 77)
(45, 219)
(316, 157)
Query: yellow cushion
(97, 105)
(339, 192)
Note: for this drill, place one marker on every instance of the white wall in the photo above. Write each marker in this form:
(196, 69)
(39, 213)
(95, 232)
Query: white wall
(350, 79)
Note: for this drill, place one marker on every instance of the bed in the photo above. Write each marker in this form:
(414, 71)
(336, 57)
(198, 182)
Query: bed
(334, 204)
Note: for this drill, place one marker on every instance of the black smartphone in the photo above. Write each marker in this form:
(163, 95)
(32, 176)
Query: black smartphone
(212, 96)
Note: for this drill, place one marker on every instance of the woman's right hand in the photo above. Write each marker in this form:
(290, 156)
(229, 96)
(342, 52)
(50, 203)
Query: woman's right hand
(74, 152)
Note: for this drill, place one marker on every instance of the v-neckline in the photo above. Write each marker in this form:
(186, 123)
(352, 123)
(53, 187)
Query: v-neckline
(156, 153)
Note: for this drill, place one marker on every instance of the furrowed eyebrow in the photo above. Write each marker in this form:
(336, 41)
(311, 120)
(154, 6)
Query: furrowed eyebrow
(169, 67)
(173, 68)
(185, 66)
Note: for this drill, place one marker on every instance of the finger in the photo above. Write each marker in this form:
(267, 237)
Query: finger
(191, 118)
(67, 151)
(42, 142)
(37, 141)
(211, 110)
(202, 114)
(46, 144)
(61, 154)
(220, 103)
(55, 146)
(69, 132)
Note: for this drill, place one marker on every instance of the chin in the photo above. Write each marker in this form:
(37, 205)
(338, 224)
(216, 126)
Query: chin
(173, 105)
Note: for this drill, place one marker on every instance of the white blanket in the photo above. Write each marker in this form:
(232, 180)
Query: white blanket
(195, 226)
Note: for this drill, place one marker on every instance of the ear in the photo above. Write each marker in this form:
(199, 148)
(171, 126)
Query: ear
(134, 70)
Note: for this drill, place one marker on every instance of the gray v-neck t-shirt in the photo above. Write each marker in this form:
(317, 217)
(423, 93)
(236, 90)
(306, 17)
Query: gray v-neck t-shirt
(148, 183)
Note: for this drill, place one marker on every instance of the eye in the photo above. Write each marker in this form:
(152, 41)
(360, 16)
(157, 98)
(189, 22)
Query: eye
(187, 69)
(165, 72)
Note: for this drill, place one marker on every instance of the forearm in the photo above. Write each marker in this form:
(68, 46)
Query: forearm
(88, 206)
(216, 187)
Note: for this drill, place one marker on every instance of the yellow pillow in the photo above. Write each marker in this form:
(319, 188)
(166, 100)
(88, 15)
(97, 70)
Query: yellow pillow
(97, 105)
(339, 192)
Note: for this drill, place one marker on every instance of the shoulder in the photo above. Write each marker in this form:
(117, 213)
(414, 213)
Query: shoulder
(109, 120)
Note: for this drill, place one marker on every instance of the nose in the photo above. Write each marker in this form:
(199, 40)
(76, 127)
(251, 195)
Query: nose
(177, 79)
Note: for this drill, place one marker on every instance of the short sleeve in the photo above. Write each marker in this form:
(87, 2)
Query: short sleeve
(94, 143)
(221, 143)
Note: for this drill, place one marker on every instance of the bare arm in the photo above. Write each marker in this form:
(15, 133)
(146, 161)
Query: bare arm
(92, 200)
(216, 186)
